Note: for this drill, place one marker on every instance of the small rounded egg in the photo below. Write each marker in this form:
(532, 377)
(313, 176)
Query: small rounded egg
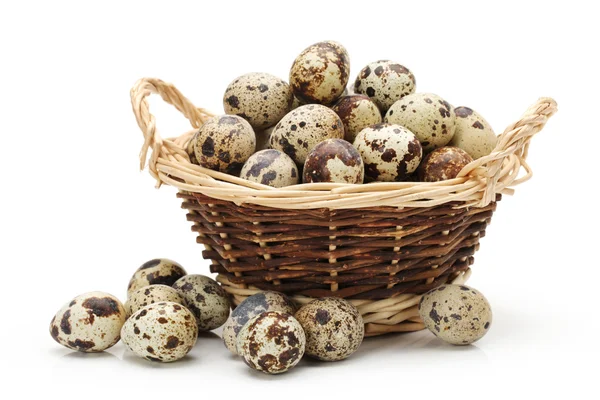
(473, 133)
(356, 112)
(303, 128)
(457, 314)
(333, 161)
(147, 295)
(224, 143)
(271, 167)
(390, 152)
(162, 332)
(89, 323)
(159, 271)
(334, 328)
(272, 342)
(443, 164)
(320, 73)
(206, 299)
(427, 115)
(261, 99)
(385, 82)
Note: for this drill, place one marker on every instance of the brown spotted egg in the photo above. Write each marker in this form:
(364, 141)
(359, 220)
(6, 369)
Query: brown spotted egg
(320, 73)
(356, 112)
(261, 99)
(162, 332)
(442, 164)
(224, 143)
(151, 294)
(334, 328)
(457, 314)
(427, 115)
(473, 133)
(385, 82)
(333, 161)
(272, 342)
(89, 323)
(271, 167)
(206, 299)
(159, 271)
(390, 152)
(303, 128)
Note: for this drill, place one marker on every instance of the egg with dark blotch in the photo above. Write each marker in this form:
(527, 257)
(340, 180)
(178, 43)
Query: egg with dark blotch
(320, 73)
(159, 271)
(427, 115)
(385, 82)
(356, 112)
(224, 143)
(303, 128)
(271, 167)
(473, 133)
(443, 164)
(206, 299)
(457, 314)
(333, 161)
(390, 152)
(147, 295)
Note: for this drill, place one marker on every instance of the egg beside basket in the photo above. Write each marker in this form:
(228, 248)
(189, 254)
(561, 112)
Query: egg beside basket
(380, 245)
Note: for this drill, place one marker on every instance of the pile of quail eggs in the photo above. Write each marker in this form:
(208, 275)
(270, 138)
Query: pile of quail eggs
(316, 129)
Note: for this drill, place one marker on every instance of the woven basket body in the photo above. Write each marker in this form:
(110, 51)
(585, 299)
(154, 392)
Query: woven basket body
(380, 245)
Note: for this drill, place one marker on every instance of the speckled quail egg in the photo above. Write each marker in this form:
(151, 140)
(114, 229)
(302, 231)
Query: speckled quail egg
(334, 328)
(356, 112)
(162, 332)
(303, 128)
(320, 73)
(250, 308)
(90, 322)
(272, 342)
(427, 115)
(262, 138)
(473, 133)
(390, 152)
(271, 167)
(457, 314)
(224, 143)
(159, 271)
(206, 299)
(385, 82)
(334, 161)
(261, 99)
(147, 295)
(442, 164)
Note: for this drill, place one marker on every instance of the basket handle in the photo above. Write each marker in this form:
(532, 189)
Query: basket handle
(161, 147)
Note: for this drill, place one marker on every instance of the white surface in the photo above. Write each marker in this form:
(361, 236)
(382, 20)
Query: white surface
(77, 215)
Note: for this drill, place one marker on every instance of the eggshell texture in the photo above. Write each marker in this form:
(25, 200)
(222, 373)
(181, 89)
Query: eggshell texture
(206, 299)
(390, 152)
(151, 294)
(473, 133)
(334, 328)
(261, 99)
(160, 271)
(457, 314)
(162, 332)
(427, 115)
(320, 73)
(250, 308)
(271, 167)
(89, 323)
(356, 112)
(385, 82)
(224, 143)
(442, 164)
(303, 128)
(334, 161)
(272, 342)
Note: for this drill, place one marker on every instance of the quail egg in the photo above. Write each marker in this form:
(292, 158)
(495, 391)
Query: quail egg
(385, 82)
(334, 161)
(473, 133)
(151, 294)
(159, 271)
(270, 167)
(442, 164)
(356, 112)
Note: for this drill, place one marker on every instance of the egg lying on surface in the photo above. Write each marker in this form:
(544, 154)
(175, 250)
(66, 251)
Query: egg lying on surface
(151, 294)
(271, 167)
(356, 112)
(473, 133)
(333, 161)
(90, 322)
(159, 271)
(385, 82)
(442, 164)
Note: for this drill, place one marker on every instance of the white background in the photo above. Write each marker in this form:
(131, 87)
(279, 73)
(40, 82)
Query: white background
(77, 215)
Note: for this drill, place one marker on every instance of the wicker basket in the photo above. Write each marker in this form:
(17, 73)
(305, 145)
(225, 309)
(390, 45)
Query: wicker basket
(379, 245)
